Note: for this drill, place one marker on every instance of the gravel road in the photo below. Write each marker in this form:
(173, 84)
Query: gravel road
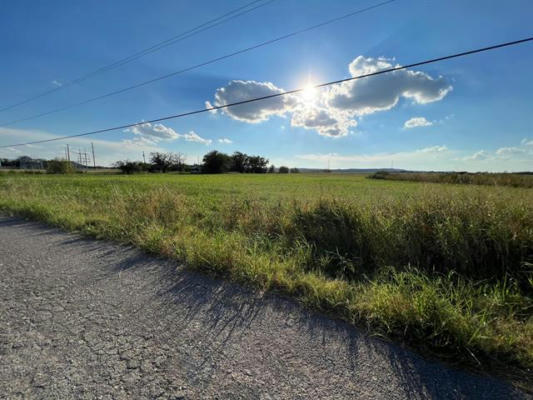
(85, 319)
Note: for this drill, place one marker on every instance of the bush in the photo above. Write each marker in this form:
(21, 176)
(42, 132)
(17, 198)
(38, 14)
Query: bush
(379, 175)
(59, 167)
(283, 170)
(131, 167)
(461, 178)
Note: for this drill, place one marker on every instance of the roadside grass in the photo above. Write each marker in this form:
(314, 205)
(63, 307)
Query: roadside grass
(445, 268)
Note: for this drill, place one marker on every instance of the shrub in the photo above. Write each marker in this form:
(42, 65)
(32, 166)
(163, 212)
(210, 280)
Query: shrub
(283, 170)
(59, 167)
(131, 167)
(379, 175)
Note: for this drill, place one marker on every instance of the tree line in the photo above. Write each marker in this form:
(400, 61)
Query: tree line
(214, 162)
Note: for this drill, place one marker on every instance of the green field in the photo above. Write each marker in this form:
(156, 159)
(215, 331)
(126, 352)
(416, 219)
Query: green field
(445, 268)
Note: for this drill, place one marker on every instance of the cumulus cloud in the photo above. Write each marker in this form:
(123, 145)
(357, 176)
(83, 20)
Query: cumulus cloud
(256, 111)
(477, 156)
(154, 132)
(527, 142)
(225, 141)
(379, 93)
(148, 133)
(194, 137)
(334, 111)
(416, 122)
(325, 121)
(209, 107)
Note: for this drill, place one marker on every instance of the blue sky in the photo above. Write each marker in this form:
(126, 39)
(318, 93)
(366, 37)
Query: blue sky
(472, 113)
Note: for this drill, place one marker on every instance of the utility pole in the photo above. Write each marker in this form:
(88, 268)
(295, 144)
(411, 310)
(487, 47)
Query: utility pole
(144, 158)
(68, 153)
(94, 159)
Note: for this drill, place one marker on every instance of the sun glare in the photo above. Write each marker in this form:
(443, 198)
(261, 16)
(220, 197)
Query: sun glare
(309, 94)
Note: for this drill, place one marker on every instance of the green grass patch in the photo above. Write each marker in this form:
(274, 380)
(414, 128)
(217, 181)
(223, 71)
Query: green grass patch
(514, 179)
(445, 268)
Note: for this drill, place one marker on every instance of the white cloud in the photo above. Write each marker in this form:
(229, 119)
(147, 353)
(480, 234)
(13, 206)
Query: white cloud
(370, 159)
(433, 149)
(332, 112)
(508, 152)
(194, 137)
(57, 83)
(154, 132)
(225, 141)
(477, 156)
(208, 106)
(417, 122)
(148, 133)
(326, 121)
(379, 93)
(505, 156)
(256, 111)
(107, 151)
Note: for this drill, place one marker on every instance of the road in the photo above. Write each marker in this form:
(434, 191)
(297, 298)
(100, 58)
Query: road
(88, 319)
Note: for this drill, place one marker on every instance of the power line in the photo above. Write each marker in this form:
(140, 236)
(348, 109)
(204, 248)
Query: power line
(213, 60)
(177, 38)
(214, 108)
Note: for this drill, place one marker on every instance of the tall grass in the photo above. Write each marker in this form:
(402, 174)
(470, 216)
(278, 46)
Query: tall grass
(481, 178)
(445, 268)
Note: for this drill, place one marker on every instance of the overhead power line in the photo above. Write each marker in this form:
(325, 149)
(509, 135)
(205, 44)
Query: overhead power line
(156, 47)
(285, 93)
(193, 67)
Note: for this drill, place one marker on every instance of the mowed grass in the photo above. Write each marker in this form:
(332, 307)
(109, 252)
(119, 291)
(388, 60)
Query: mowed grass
(445, 268)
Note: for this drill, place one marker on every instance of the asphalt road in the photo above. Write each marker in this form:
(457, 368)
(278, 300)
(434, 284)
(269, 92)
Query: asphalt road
(88, 319)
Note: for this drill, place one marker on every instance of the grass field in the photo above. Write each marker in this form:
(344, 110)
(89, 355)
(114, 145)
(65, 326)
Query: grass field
(445, 268)
(524, 180)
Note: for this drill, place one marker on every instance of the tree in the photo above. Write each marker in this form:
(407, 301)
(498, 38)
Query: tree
(294, 171)
(177, 161)
(239, 162)
(283, 170)
(271, 169)
(257, 164)
(216, 162)
(164, 162)
(131, 167)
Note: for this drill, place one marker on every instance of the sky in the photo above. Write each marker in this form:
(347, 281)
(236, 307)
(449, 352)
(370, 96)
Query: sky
(471, 113)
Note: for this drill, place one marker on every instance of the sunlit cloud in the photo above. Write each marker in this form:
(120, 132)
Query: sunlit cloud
(416, 122)
(334, 111)
(153, 133)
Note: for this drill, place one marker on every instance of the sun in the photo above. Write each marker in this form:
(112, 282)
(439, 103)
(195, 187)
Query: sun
(310, 93)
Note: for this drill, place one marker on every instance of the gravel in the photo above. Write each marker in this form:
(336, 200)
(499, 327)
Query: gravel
(86, 319)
